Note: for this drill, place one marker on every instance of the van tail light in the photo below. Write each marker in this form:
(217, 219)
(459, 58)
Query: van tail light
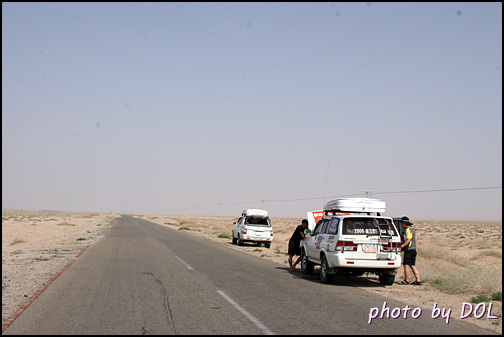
(245, 231)
(344, 246)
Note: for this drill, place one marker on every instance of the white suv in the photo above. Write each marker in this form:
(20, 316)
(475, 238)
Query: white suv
(349, 239)
(253, 226)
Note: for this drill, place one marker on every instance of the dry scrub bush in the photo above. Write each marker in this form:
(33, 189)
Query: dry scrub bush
(65, 223)
(16, 241)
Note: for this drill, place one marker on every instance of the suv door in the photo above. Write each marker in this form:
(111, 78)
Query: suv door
(312, 244)
(236, 229)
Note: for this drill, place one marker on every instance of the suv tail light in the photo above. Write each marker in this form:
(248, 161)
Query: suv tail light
(346, 246)
(394, 247)
(245, 230)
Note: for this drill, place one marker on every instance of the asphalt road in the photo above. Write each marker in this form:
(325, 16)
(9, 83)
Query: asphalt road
(143, 278)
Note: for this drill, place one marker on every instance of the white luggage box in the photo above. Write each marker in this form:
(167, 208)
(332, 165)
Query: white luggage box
(255, 212)
(360, 205)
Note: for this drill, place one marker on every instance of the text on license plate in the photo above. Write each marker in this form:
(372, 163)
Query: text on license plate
(369, 248)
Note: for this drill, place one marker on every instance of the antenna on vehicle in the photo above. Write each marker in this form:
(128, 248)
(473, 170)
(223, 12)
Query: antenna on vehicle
(367, 192)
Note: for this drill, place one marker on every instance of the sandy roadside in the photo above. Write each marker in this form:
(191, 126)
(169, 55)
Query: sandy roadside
(37, 245)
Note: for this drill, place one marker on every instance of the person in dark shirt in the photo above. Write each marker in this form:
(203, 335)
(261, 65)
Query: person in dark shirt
(294, 243)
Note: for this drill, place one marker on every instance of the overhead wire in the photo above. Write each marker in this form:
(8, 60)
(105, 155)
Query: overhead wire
(335, 197)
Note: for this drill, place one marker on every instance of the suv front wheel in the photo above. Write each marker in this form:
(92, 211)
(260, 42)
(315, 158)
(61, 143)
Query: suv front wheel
(306, 266)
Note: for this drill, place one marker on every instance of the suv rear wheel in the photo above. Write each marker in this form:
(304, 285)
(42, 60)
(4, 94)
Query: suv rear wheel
(387, 279)
(325, 277)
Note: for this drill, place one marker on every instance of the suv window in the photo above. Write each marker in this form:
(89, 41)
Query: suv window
(323, 229)
(333, 226)
(368, 226)
(318, 227)
(258, 221)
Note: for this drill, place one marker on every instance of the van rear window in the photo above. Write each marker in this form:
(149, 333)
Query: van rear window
(368, 226)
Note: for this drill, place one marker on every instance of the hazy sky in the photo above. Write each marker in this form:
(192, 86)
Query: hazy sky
(210, 108)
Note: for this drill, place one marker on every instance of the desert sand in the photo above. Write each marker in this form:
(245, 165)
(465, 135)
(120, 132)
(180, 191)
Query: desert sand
(37, 245)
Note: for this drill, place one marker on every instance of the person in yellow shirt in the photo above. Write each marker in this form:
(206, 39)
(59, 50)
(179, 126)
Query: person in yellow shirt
(410, 252)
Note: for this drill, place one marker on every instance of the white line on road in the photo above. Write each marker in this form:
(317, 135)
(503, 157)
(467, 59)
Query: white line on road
(184, 263)
(254, 320)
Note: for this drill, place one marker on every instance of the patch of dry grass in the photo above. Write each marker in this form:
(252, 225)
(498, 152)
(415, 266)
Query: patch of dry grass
(461, 257)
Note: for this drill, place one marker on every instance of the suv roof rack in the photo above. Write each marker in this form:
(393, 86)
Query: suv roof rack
(355, 205)
(261, 213)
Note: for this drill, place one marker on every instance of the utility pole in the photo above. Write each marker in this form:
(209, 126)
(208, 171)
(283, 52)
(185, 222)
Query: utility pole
(263, 200)
(367, 192)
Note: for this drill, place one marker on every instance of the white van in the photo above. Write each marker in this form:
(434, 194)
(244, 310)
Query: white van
(254, 226)
(348, 238)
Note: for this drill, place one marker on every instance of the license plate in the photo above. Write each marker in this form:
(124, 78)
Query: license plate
(369, 248)
(258, 233)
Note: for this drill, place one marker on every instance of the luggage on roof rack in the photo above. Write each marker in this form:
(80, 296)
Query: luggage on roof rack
(356, 205)
(255, 212)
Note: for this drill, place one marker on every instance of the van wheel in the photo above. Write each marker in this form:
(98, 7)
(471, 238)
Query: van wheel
(240, 241)
(306, 266)
(387, 279)
(325, 277)
(267, 244)
(234, 240)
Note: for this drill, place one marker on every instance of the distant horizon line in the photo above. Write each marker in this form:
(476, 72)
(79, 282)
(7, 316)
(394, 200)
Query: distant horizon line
(215, 216)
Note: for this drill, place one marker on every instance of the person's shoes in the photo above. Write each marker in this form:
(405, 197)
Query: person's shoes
(404, 282)
(417, 283)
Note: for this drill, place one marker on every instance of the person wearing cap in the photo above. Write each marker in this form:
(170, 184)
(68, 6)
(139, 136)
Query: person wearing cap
(410, 252)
